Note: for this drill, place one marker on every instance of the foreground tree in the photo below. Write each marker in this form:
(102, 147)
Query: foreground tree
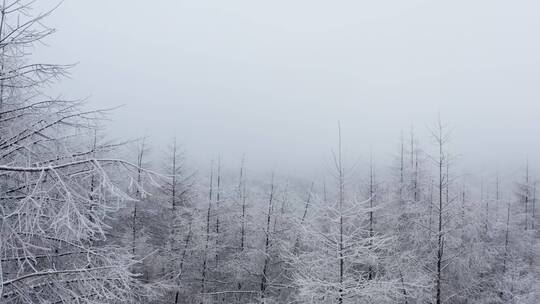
(55, 186)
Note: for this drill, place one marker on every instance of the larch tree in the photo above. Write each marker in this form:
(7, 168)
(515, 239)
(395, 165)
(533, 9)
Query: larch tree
(180, 214)
(56, 189)
(441, 137)
(333, 264)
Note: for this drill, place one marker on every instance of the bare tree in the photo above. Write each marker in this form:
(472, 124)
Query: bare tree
(207, 243)
(264, 274)
(57, 190)
(334, 263)
(441, 137)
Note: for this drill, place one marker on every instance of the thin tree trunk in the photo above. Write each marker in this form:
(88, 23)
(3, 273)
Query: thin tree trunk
(462, 224)
(440, 240)
(140, 158)
(486, 221)
(304, 215)
(506, 238)
(173, 194)
(415, 181)
(217, 209)
(184, 253)
(401, 170)
(264, 279)
(282, 208)
(431, 183)
(242, 195)
(371, 201)
(186, 244)
(463, 211)
(204, 270)
(526, 195)
(497, 192)
(340, 202)
(533, 206)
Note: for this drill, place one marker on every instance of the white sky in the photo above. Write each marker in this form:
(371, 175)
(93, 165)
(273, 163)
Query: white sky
(271, 78)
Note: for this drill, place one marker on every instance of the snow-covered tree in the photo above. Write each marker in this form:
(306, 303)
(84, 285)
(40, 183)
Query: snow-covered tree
(338, 252)
(56, 188)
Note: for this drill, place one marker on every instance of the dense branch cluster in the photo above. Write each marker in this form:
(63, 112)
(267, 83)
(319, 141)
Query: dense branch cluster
(55, 192)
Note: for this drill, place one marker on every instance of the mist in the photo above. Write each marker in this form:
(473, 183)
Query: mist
(271, 79)
(279, 152)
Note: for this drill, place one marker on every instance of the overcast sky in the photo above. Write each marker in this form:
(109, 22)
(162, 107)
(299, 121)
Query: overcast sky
(272, 78)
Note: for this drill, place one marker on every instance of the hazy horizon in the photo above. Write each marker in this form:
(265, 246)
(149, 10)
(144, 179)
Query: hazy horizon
(271, 80)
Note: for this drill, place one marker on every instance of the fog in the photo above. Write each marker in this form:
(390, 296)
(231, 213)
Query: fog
(331, 152)
(272, 78)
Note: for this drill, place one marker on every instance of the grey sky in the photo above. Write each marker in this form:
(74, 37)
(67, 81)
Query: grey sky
(271, 78)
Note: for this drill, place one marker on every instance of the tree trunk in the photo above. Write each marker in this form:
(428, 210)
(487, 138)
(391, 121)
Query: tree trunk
(506, 238)
(371, 201)
(264, 280)
(217, 209)
(440, 239)
(340, 206)
(208, 213)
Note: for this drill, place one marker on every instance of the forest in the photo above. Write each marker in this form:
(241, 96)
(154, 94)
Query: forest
(87, 219)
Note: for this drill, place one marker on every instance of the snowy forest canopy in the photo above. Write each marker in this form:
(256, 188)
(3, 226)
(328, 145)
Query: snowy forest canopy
(87, 220)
